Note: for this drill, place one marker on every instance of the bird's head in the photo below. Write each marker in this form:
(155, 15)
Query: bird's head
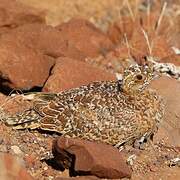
(136, 78)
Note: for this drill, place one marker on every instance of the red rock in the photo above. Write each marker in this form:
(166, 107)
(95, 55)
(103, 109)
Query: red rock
(126, 25)
(175, 32)
(45, 38)
(85, 37)
(174, 59)
(138, 45)
(120, 28)
(12, 168)
(91, 158)
(136, 41)
(168, 132)
(70, 73)
(22, 67)
(14, 14)
(149, 22)
(159, 47)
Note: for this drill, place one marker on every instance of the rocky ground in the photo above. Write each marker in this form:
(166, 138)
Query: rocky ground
(53, 46)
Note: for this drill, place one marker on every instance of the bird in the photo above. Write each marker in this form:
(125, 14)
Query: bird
(114, 112)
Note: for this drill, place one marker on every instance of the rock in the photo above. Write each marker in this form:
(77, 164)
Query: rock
(136, 39)
(12, 168)
(169, 132)
(159, 47)
(149, 22)
(14, 14)
(75, 39)
(119, 28)
(174, 59)
(21, 67)
(16, 150)
(162, 49)
(45, 38)
(70, 73)
(85, 37)
(126, 26)
(90, 158)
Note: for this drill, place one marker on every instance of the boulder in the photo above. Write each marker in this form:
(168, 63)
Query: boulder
(90, 158)
(12, 168)
(21, 67)
(43, 38)
(69, 73)
(85, 37)
(14, 14)
(168, 132)
(119, 28)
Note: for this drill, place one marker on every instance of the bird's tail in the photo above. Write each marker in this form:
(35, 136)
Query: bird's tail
(26, 119)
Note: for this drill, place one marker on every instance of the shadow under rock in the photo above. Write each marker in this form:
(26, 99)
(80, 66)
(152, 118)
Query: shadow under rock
(6, 90)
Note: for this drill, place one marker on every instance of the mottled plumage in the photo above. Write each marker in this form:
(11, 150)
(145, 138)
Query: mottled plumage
(112, 112)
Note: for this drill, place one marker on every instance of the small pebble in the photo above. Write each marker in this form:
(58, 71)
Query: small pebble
(45, 168)
(131, 159)
(16, 150)
(50, 177)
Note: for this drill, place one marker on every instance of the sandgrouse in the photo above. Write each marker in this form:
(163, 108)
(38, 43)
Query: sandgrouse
(114, 112)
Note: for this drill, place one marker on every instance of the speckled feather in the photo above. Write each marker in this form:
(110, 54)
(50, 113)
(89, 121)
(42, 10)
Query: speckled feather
(109, 112)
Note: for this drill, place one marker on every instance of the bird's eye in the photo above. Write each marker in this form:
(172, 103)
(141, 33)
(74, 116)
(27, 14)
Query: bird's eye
(139, 77)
